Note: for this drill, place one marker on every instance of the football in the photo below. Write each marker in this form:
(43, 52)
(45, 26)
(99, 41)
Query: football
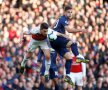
(52, 36)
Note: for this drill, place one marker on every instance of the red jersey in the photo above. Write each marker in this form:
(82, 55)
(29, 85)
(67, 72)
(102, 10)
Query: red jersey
(76, 67)
(38, 37)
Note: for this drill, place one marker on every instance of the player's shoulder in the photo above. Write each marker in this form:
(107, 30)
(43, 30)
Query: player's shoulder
(62, 17)
(63, 20)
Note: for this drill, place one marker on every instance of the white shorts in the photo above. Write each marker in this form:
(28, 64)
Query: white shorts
(76, 78)
(33, 44)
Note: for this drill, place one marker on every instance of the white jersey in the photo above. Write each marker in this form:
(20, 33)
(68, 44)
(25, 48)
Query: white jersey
(38, 40)
(36, 35)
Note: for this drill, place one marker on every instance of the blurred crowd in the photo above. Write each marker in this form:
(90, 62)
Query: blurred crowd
(17, 14)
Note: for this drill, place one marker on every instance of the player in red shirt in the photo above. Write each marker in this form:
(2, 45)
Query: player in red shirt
(77, 74)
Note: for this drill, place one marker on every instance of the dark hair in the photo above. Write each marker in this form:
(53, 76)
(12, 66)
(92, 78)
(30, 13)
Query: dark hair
(68, 7)
(44, 26)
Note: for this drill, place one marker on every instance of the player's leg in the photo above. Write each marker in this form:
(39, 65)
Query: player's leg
(31, 47)
(70, 78)
(53, 70)
(60, 46)
(40, 55)
(68, 56)
(26, 58)
(79, 80)
(40, 60)
(54, 77)
(46, 50)
(27, 55)
(42, 71)
(42, 87)
(44, 80)
(47, 61)
(74, 48)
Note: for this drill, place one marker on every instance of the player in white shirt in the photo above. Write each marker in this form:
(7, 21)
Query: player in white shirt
(39, 39)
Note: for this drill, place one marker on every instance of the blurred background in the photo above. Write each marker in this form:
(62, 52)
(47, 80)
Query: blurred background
(17, 14)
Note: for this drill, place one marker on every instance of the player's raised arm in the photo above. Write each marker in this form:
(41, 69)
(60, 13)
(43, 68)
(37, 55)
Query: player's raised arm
(24, 31)
(63, 35)
(27, 31)
(55, 33)
(74, 30)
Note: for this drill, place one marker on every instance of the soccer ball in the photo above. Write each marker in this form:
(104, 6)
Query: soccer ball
(52, 36)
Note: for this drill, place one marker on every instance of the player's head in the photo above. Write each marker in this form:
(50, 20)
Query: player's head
(68, 11)
(44, 28)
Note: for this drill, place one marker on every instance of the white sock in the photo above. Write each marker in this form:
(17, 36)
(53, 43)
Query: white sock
(47, 66)
(23, 62)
